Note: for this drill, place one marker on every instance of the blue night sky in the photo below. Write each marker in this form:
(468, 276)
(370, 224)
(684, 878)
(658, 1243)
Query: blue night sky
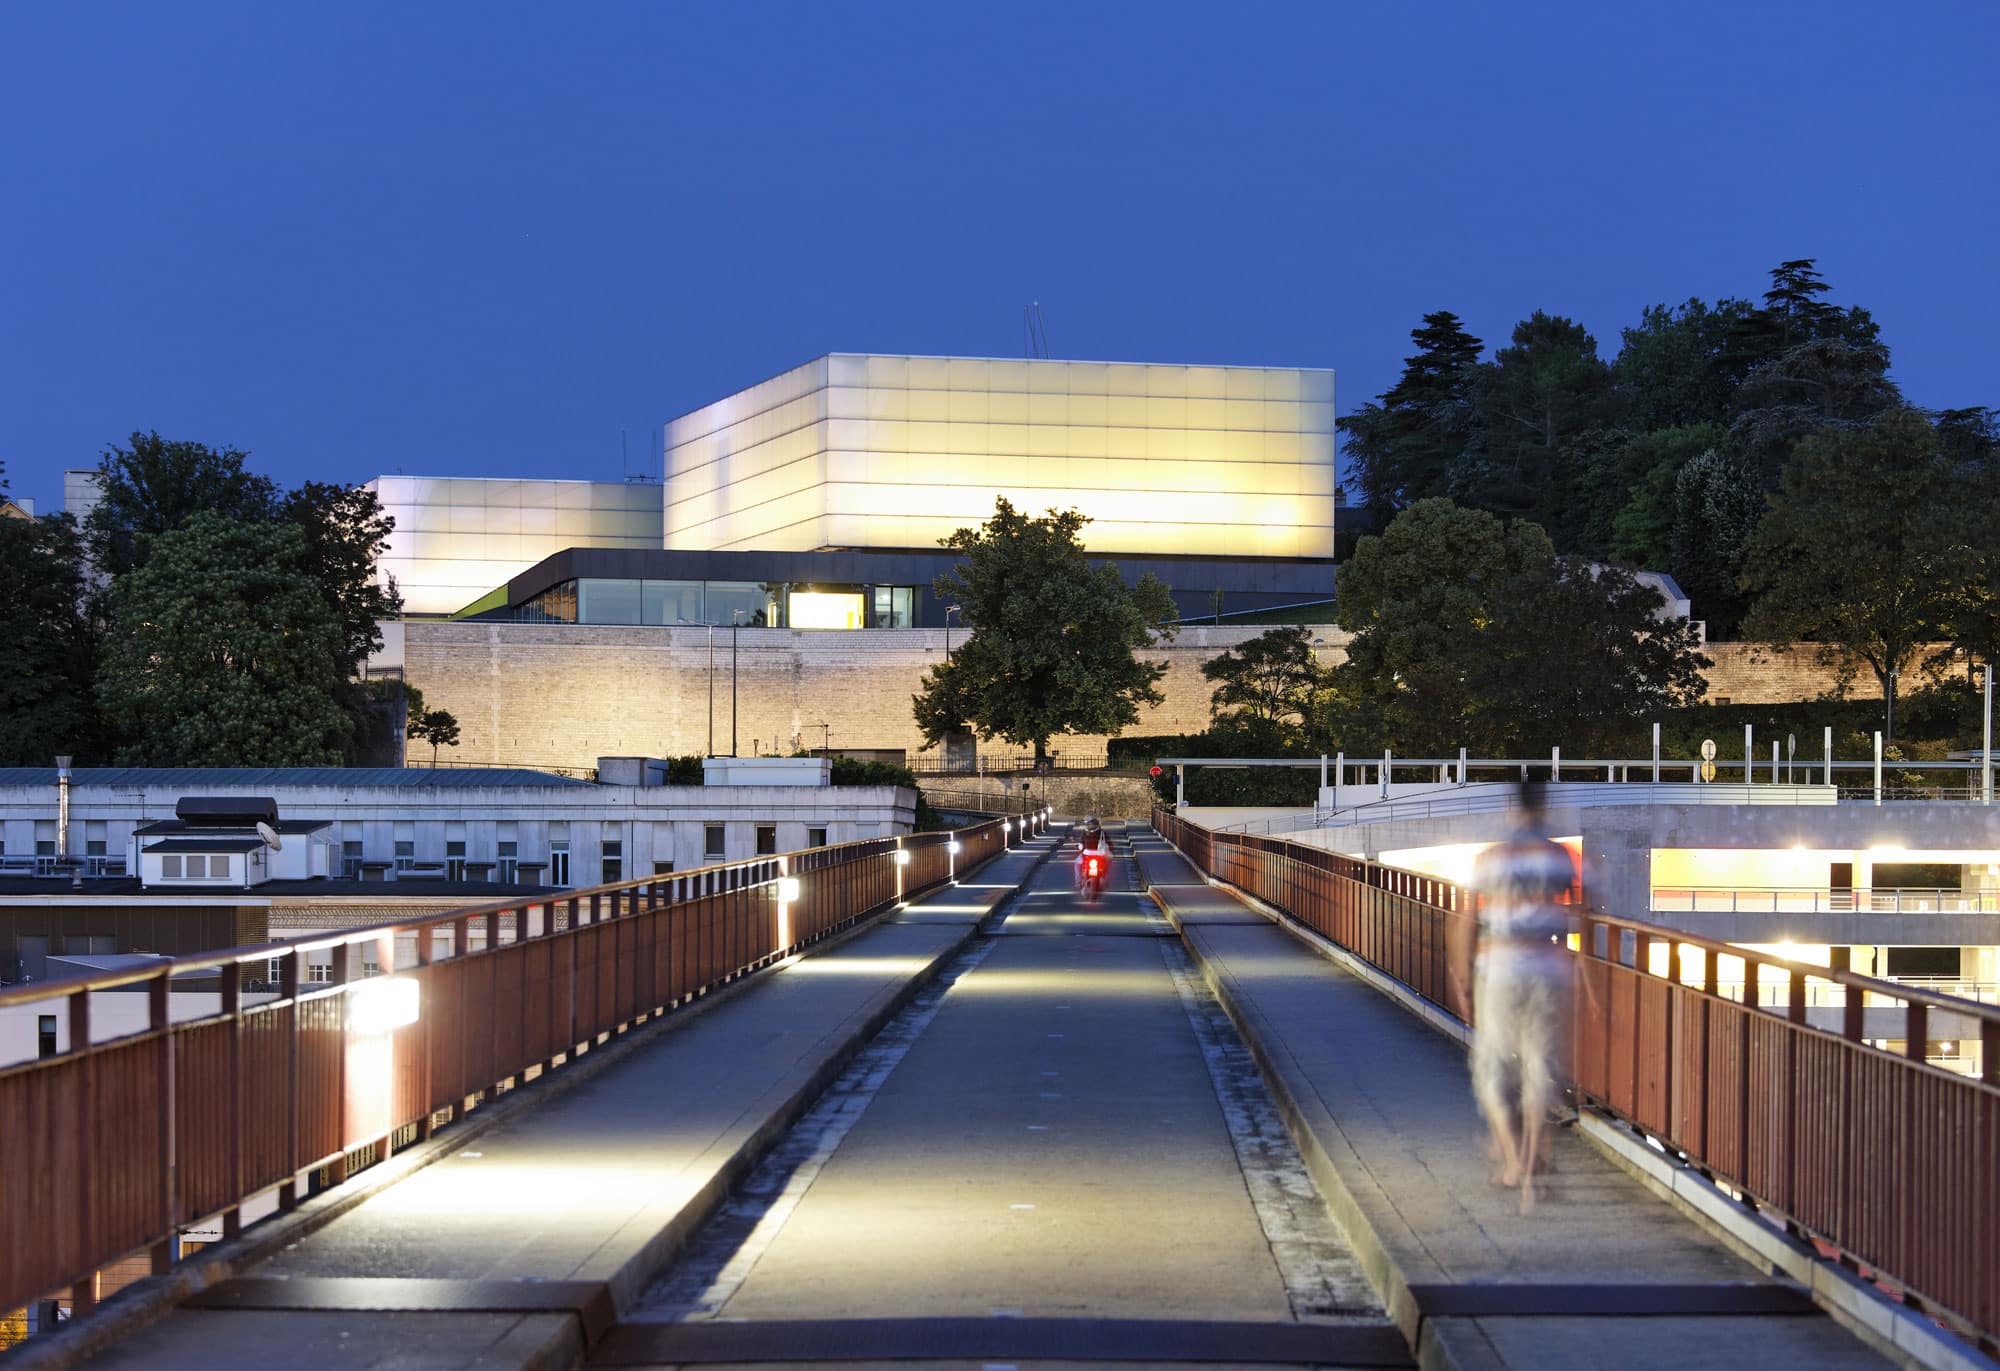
(483, 239)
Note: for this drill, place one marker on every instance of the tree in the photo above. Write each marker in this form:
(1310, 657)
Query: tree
(438, 727)
(1469, 631)
(156, 485)
(1969, 442)
(1402, 448)
(223, 651)
(1273, 679)
(1718, 500)
(48, 644)
(1545, 390)
(1422, 601)
(1649, 466)
(1055, 639)
(1865, 550)
(345, 533)
(1673, 370)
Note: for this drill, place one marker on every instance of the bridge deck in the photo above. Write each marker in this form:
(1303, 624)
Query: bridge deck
(1056, 1150)
(1398, 1146)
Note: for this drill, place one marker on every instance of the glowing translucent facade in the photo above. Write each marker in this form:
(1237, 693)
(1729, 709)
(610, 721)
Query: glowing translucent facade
(857, 451)
(457, 538)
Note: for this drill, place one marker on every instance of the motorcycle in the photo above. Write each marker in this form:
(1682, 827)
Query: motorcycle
(1095, 867)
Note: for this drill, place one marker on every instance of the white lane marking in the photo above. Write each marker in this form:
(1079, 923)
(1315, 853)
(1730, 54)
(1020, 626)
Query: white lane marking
(1323, 1279)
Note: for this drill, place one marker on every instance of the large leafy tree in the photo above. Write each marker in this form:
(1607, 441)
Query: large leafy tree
(1056, 640)
(1273, 679)
(1545, 390)
(1401, 448)
(224, 651)
(1470, 631)
(48, 644)
(1866, 549)
(1674, 368)
(1969, 441)
(1640, 531)
(1717, 503)
(156, 485)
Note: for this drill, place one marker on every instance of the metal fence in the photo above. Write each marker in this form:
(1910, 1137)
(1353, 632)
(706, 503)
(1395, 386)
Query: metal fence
(1884, 1159)
(112, 1147)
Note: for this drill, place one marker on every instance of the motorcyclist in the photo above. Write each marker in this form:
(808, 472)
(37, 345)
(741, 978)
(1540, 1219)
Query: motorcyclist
(1091, 840)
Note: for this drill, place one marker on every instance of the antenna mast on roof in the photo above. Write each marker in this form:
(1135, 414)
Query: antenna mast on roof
(1034, 330)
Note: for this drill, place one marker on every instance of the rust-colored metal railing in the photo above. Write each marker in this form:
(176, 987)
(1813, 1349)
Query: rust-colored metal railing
(1756, 1069)
(115, 1145)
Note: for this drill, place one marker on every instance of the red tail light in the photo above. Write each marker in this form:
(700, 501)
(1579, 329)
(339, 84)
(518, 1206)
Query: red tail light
(1092, 866)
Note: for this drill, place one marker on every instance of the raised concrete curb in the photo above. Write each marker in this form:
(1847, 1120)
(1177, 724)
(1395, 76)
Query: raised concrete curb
(537, 1341)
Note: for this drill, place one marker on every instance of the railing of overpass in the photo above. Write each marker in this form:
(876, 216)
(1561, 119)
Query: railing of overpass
(1820, 900)
(113, 1147)
(1884, 1161)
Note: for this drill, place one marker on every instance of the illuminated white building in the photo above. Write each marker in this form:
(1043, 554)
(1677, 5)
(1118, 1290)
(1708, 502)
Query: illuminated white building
(458, 538)
(876, 452)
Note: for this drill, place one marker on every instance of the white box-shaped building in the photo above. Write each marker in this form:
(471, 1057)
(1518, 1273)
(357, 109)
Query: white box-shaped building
(869, 451)
(459, 537)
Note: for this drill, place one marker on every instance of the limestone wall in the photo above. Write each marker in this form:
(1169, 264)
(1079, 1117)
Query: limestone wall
(559, 695)
(1070, 793)
(563, 695)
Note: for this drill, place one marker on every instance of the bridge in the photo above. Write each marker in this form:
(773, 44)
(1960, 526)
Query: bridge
(911, 1101)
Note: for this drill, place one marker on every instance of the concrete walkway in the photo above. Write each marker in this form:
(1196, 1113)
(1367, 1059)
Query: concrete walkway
(589, 1194)
(1383, 1109)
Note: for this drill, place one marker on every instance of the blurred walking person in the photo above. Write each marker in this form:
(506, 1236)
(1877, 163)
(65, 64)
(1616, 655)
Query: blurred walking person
(1516, 961)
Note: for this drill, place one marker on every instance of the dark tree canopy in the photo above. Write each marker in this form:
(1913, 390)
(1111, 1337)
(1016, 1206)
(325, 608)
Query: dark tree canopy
(1404, 448)
(1470, 631)
(224, 651)
(1274, 679)
(1868, 549)
(156, 485)
(1056, 641)
(48, 644)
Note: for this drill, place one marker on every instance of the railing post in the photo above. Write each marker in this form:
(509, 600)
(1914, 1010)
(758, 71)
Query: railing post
(1916, 1028)
(232, 1007)
(160, 1018)
(291, 978)
(83, 1295)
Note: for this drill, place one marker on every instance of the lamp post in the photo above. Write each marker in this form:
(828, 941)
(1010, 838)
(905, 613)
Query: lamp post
(735, 623)
(711, 679)
(825, 738)
(949, 610)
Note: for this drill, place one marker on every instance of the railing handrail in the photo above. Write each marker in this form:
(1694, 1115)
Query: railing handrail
(1648, 1047)
(191, 963)
(198, 1115)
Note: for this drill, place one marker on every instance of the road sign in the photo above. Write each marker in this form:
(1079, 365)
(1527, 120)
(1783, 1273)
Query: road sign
(1708, 770)
(1708, 750)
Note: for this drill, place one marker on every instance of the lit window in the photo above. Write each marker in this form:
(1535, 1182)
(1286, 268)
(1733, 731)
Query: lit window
(825, 609)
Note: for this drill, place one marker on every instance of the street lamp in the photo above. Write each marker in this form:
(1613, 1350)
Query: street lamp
(711, 679)
(825, 738)
(735, 623)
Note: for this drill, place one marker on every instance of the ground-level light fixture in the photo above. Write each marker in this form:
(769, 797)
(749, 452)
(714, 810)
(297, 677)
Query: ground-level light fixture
(902, 856)
(382, 1003)
(788, 889)
(952, 847)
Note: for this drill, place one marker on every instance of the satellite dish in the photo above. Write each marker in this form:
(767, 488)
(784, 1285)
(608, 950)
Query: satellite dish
(269, 835)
